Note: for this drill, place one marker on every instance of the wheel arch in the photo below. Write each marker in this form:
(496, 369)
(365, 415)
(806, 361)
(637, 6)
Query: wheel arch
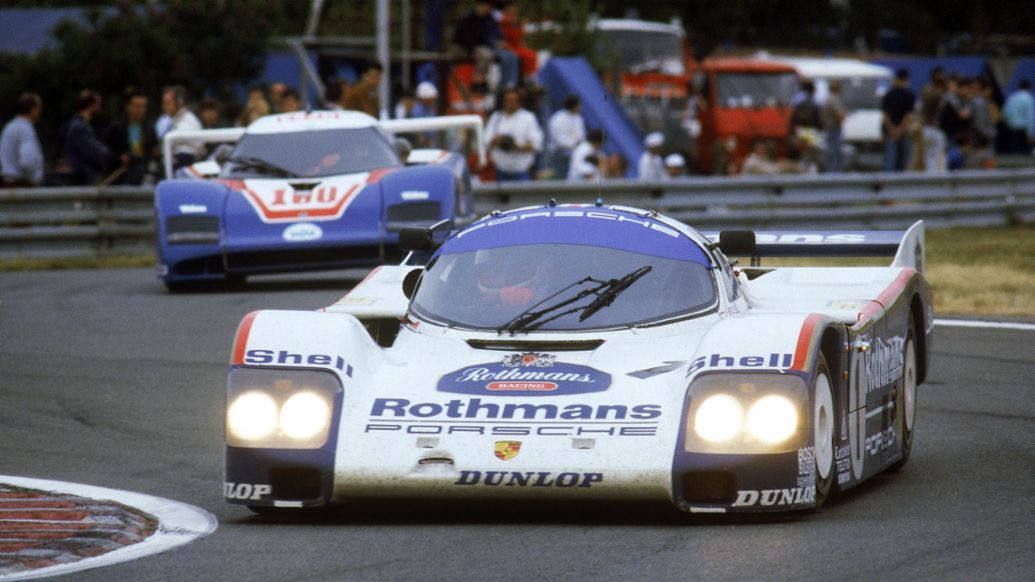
(833, 347)
(916, 314)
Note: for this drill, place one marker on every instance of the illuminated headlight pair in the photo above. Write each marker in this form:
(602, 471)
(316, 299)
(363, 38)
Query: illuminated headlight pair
(745, 413)
(279, 409)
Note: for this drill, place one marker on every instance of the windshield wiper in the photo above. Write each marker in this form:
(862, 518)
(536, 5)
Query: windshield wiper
(606, 291)
(262, 165)
(614, 288)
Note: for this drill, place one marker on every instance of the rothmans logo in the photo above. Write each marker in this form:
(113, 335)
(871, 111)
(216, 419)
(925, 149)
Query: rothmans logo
(525, 374)
(531, 359)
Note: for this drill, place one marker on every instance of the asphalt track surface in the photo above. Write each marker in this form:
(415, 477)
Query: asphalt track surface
(107, 380)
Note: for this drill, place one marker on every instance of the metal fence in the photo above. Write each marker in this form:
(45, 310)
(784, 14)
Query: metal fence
(62, 222)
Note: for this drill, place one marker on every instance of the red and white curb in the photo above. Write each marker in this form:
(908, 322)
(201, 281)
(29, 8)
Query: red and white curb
(49, 528)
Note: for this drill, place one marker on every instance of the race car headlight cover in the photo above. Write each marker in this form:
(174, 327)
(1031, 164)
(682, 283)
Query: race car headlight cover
(278, 408)
(746, 413)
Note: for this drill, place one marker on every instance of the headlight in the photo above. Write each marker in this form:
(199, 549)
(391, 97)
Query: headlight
(280, 409)
(252, 416)
(745, 413)
(304, 415)
(718, 418)
(772, 419)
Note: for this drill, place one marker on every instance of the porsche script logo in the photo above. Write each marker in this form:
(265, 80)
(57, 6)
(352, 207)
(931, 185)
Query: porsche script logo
(507, 450)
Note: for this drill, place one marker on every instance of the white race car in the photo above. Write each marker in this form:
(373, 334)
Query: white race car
(587, 352)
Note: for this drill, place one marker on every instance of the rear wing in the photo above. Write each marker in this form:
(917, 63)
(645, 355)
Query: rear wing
(442, 123)
(200, 136)
(392, 126)
(907, 247)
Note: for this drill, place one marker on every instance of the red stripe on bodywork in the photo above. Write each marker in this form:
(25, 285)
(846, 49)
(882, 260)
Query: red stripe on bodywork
(376, 175)
(232, 184)
(801, 351)
(241, 338)
(887, 296)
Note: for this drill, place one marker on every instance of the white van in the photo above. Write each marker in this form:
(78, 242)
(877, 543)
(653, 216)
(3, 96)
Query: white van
(862, 87)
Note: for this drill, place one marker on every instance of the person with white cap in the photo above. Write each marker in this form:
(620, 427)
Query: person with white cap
(426, 106)
(675, 165)
(651, 167)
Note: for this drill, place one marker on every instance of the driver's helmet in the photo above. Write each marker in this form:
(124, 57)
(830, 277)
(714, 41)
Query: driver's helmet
(511, 276)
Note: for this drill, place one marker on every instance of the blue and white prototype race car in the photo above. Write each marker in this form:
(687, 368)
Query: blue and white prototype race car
(304, 191)
(588, 352)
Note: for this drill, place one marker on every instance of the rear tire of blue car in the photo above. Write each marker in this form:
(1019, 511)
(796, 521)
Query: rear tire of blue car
(905, 400)
(824, 428)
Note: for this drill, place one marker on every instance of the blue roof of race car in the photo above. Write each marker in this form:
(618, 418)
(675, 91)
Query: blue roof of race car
(581, 225)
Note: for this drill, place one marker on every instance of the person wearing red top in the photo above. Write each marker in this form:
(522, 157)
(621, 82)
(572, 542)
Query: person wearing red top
(513, 28)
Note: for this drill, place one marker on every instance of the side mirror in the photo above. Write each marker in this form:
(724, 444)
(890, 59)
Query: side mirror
(403, 148)
(737, 242)
(410, 282)
(222, 153)
(425, 239)
(415, 239)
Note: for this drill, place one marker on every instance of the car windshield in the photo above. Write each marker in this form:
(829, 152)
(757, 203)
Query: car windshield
(749, 90)
(499, 288)
(310, 154)
(642, 51)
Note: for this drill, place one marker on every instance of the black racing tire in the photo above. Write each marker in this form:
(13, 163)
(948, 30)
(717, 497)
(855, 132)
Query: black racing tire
(824, 432)
(177, 287)
(905, 399)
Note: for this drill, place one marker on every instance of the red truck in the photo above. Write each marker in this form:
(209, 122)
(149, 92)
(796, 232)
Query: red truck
(743, 100)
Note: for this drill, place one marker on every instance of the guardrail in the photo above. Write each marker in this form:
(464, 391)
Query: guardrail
(63, 222)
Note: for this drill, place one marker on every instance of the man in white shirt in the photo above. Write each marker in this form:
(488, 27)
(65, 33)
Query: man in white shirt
(21, 157)
(593, 146)
(174, 104)
(514, 138)
(567, 131)
(651, 167)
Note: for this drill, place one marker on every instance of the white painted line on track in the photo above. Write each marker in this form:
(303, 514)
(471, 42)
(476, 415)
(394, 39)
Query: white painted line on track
(178, 524)
(985, 324)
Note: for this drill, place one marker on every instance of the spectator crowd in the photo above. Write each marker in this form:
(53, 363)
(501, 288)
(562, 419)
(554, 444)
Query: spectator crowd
(954, 123)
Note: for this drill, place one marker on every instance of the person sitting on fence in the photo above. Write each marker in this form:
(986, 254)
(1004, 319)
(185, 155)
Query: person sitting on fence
(478, 35)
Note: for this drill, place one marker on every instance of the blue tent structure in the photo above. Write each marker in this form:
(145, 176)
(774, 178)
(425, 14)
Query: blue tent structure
(920, 68)
(563, 76)
(1025, 69)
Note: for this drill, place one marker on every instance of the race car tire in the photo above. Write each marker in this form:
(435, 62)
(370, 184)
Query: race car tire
(824, 425)
(236, 280)
(180, 286)
(905, 400)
